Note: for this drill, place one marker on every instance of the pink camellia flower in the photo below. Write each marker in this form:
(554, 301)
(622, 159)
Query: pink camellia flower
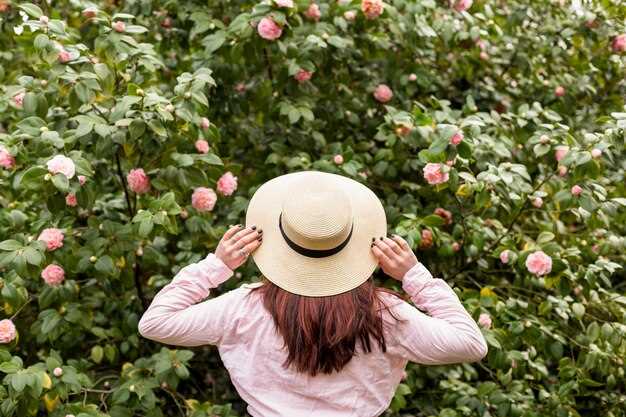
(64, 56)
(412, 77)
(240, 87)
(53, 274)
(462, 5)
(338, 159)
(595, 248)
(6, 159)
(268, 29)
(202, 146)
(205, 123)
(456, 138)
(138, 181)
(4, 6)
(90, 12)
(303, 75)
(484, 320)
(595, 152)
(349, 15)
(434, 174)
(562, 171)
(539, 263)
(450, 162)
(560, 152)
(619, 43)
(70, 200)
(284, 3)
(456, 246)
(427, 239)
(481, 44)
(61, 164)
(313, 12)
(203, 199)
(483, 55)
(444, 214)
(52, 237)
(372, 8)
(82, 179)
(537, 202)
(504, 256)
(18, 99)
(119, 26)
(559, 91)
(44, 19)
(57, 372)
(383, 93)
(576, 190)
(227, 184)
(7, 331)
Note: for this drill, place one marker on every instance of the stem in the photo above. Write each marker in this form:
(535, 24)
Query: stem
(137, 276)
(21, 307)
(269, 64)
(123, 180)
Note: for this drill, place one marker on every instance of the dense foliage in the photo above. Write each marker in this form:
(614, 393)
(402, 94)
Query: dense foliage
(133, 133)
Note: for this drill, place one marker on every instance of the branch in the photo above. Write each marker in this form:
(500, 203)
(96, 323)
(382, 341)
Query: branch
(269, 64)
(123, 180)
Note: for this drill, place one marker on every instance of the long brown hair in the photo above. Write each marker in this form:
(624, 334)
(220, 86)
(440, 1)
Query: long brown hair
(321, 332)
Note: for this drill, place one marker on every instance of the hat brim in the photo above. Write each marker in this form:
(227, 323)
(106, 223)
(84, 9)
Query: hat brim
(316, 277)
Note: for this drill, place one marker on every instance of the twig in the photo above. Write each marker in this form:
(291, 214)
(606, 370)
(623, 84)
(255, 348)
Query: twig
(121, 175)
(21, 307)
(269, 64)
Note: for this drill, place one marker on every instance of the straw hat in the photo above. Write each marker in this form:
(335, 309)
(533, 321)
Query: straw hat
(317, 230)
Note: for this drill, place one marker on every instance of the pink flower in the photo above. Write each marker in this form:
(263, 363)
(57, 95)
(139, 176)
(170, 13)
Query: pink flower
(560, 152)
(456, 246)
(205, 123)
(426, 239)
(203, 199)
(484, 320)
(349, 15)
(6, 159)
(53, 274)
(434, 174)
(595, 248)
(7, 331)
(52, 237)
(537, 202)
(64, 56)
(539, 263)
(412, 77)
(227, 184)
(504, 256)
(70, 200)
(57, 372)
(18, 99)
(576, 190)
(138, 181)
(450, 162)
(383, 93)
(303, 75)
(44, 19)
(619, 43)
(284, 3)
(61, 164)
(595, 152)
(338, 159)
(82, 179)
(240, 87)
(483, 55)
(90, 12)
(559, 91)
(462, 5)
(456, 138)
(202, 146)
(372, 8)
(481, 44)
(268, 29)
(119, 26)
(444, 214)
(562, 170)
(313, 12)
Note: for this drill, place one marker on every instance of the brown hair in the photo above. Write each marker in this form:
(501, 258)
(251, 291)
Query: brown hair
(321, 332)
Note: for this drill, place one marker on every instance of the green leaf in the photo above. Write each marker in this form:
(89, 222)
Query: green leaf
(61, 182)
(97, 353)
(105, 265)
(31, 9)
(433, 220)
(578, 309)
(10, 245)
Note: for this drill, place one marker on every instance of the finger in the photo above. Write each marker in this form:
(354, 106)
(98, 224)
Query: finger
(385, 248)
(251, 237)
(400, 241)
(251, 247)
(231, 232)
(243, 232)
(380, 255)
(393, 245)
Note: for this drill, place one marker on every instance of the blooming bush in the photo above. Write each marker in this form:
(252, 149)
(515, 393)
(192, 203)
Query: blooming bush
(133, 133)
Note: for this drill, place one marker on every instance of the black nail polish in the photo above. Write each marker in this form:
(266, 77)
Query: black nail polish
(253, 227)
(373, 239)
(381, 238)
(260, 231)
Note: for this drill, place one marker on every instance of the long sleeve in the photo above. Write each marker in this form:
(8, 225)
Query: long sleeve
(174, 318)
(446, 334)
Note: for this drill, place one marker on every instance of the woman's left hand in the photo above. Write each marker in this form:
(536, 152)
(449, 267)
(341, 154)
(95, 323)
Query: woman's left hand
(236, 244)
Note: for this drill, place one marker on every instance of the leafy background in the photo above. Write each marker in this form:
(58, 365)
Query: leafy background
(136, 99)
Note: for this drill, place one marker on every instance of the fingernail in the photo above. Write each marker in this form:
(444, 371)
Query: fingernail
(260, 231)
(253, 227)
(381, 238)
(239, 225)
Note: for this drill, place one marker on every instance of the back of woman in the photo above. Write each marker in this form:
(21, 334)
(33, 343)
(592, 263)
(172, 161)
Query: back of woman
(316, 337)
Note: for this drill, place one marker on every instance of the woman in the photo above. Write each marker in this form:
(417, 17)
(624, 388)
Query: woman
(316, 337)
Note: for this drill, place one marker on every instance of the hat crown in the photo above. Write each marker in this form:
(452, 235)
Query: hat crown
(317, 215)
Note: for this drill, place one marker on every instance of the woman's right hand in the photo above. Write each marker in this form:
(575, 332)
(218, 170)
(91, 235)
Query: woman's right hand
(395, 256)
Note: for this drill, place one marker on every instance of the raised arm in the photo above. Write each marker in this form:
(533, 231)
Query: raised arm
(447, 333)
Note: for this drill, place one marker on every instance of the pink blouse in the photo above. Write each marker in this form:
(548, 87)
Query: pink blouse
(251, 349)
